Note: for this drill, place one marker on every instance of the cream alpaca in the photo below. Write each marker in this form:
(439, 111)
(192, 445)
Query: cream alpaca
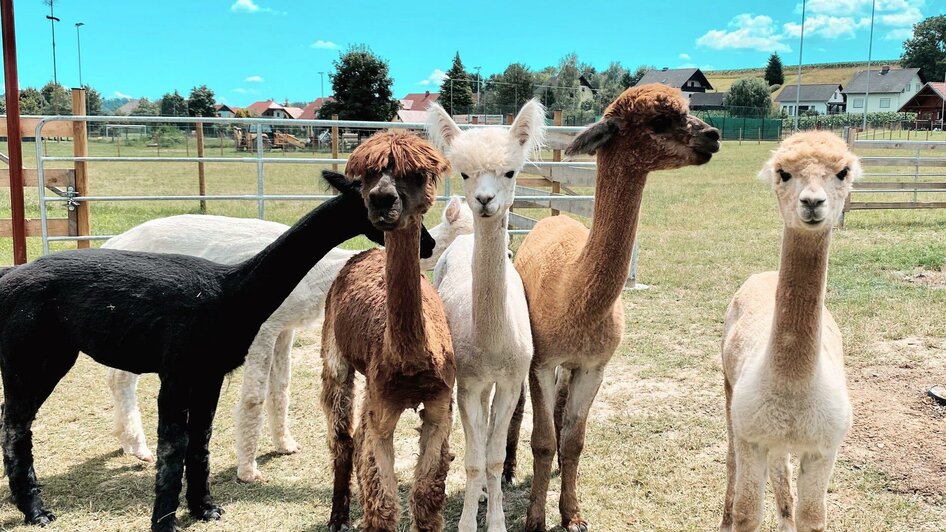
(493, 343)
(782, 353)
(267, 370)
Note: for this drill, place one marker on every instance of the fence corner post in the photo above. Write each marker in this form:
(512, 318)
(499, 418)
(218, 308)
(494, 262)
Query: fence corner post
(556, 157)
(201, 183)
(334, 144)
(80, 148)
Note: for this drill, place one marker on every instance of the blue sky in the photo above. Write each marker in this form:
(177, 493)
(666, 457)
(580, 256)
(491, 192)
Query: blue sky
(246, 50)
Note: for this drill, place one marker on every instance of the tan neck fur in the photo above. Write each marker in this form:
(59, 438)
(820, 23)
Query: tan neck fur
(489, 279)
(799, 300)
(405, 312)
(600, 272)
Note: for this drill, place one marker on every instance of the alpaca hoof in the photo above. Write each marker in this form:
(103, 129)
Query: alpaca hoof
(343, 527)
(288, 446)
(168, 524)
(577, 524)
(509, 478)
(211, 513)
(250, 476)
(41, 518)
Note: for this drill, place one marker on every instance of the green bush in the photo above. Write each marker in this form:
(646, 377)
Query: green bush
(167, 136)
(848, 119)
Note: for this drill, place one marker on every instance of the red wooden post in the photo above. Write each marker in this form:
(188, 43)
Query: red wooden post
(14, 139)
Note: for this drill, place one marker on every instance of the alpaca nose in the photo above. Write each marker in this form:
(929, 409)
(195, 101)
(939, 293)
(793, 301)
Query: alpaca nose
(484, 199)
(812, 203)
(382, 199)
(712, 133)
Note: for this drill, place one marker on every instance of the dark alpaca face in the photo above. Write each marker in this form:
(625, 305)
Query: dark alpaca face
(652, 127)
(352, 191)
(392, 200)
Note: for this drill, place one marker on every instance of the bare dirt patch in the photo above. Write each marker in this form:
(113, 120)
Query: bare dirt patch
(935, 279)
(897, 428)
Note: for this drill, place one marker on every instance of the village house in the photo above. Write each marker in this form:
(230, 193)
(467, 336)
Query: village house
(821, 98)
(884, 90)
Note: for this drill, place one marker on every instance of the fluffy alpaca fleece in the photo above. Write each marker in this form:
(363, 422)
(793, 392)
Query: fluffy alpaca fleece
(267, 370)
(188, 319)
(484, 299)
(783, 359)
(384, 320)
(573, 278)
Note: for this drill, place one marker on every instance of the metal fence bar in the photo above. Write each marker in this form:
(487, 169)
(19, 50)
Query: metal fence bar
(274, 197)
(259, 172)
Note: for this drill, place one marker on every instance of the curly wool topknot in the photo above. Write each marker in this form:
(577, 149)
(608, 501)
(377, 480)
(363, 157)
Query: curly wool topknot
(646, 100)
(809, 147)
(401, 152)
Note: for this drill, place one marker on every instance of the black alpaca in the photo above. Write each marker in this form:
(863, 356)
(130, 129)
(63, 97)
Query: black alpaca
(188, 319)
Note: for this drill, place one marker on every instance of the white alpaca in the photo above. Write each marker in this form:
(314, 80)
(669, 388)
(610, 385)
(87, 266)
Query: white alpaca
(782, 353)
(493, 343)
(267, 370)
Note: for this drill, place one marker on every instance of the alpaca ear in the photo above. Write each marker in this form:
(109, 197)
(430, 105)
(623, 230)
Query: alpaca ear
(452, 212)
(441, 129)
(341, 183)
(597, 135)
(529, 126)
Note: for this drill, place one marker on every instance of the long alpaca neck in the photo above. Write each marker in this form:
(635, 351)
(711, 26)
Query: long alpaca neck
(489, 280)
(261, 284)
(799, 299)
(405, 309)
(600, 272)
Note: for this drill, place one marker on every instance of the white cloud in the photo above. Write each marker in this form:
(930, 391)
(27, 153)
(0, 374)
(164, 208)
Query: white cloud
(242, 90)
(249, 6)
(324, 45)
(827, 26)
(119, 94)
(746, 31)
(435, 78)
(899, 34)
(685, 57)
(254, 79)
(244, 6)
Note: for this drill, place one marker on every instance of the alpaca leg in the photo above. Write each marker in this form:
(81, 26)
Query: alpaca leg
(379, 498)
(813, 477)
(127, 417)
(583, 389)
(277, 402)
(429, 494)
(780, 469)
(474, 418)
(542, 388)
(563, 379)
(22, 399)
(504, 403)
(249, 415)
(338, 381)
(172, 446)
(751, 476)
(203, 407)
(726, 524)
(512, 438)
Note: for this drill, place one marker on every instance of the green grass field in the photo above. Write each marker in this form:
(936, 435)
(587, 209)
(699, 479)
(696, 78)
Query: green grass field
(655, 452)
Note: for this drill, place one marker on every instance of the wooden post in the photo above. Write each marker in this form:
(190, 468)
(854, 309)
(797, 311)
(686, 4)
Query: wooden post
(476, 119)
(201, 184)
(334, 144)
(14, 143)
(556, 157)
(80, 148)
(118, 143)
(508, 121)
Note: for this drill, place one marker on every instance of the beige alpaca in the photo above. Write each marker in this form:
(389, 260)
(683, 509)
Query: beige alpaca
(386, 321)
(782, 355)
(573, 279)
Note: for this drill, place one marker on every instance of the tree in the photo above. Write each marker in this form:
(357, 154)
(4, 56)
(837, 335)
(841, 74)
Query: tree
(749, 96)
(773, 71)
(173, 104)
(456, 96)
(611, 82)
(58, 99)
(566, 83)
(635, 78)
(513, 88)
(32, 102)
(201, 102)
(93, 101)
(362, 87)
(145, 108)
(926, 50)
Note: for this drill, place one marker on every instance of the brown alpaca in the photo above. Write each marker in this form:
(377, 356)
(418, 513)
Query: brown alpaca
(573, 278)
(385, 320)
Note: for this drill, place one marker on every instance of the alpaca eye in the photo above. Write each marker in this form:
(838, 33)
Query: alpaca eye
(660, 124)
(464, 176)
(784, 175)
(510, 173)
(843, 173)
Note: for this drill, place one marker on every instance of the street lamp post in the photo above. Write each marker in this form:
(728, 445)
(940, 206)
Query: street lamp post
(79, 50)
(52, 26)
(322, 82)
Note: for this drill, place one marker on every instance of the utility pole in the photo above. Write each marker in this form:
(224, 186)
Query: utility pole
(52, 26)
(322, 81)
(79, 50)
(870, 49)
(479, 91)
(801, 44)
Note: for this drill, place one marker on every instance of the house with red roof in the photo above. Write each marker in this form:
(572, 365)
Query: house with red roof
(414, 106)
(928, 104)
(311, 111)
